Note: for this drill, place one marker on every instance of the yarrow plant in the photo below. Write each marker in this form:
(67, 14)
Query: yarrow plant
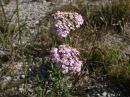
(66, 21)
(66, 58)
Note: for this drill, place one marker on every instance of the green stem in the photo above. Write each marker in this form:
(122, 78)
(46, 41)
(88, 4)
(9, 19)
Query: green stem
(20, 39)
(65, 40)
(2, 7)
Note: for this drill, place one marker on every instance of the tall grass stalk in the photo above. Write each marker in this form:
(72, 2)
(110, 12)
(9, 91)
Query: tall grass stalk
(20, 41)
(3, 11)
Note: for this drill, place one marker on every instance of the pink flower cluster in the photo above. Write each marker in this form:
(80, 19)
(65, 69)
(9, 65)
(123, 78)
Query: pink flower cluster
(66, 21)
(66, 59)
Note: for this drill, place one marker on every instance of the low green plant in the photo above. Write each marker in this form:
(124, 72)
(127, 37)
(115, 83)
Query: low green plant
(118, 65)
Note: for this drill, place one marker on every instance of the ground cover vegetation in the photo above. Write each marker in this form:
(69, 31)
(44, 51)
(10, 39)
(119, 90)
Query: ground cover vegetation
(67, 54)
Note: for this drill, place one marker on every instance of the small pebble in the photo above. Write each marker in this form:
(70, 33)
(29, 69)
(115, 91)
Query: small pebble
(8, 78)
(23, 76)
(21, 90)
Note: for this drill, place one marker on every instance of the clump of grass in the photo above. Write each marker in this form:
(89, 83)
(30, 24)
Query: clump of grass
(96, 55)
(112, 14)
(111, 60)
(118, 65)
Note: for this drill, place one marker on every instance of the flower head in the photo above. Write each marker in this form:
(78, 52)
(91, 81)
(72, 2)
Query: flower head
(66, 21)
(66, 58)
